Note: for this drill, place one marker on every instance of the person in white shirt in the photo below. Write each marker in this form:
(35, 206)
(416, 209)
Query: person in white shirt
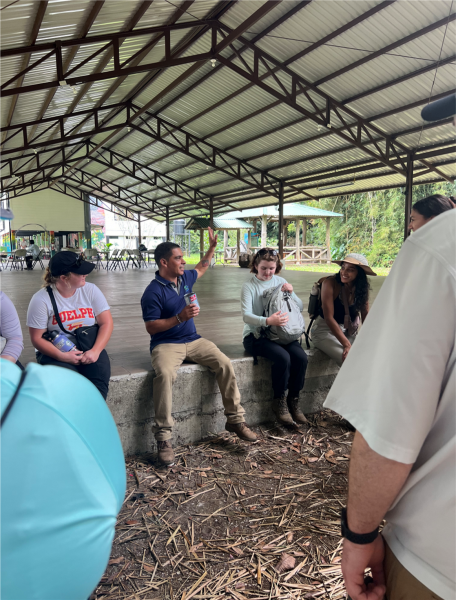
(79, 304)
(398, 388)
(426, 209)
(289, 363)
(32, 254)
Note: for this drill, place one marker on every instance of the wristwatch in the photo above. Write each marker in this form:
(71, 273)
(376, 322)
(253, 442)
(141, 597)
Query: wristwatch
(356, 538)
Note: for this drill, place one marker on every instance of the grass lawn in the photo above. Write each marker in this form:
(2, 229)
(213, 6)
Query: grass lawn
(194, 260)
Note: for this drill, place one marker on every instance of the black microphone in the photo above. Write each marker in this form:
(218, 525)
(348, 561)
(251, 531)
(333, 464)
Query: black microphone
(440, 109)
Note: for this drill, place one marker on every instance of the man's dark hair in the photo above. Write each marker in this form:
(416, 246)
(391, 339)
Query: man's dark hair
(164, 250)
(31, 241)
(433, 206)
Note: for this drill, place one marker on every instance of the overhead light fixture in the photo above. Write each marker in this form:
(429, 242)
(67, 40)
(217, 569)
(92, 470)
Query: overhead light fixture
(332, 187)
(213, 61)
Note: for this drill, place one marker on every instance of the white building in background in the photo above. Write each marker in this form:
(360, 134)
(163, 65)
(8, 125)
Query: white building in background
(123, 233)
(108, 227)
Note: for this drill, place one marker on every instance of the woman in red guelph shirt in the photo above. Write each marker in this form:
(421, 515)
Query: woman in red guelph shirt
(79, 304)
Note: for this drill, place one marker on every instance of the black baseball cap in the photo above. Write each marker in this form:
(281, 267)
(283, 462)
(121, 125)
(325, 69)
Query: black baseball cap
(69, 262)
(440, 109)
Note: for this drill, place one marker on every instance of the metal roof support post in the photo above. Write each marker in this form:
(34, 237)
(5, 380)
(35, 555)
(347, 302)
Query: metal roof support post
(281, 220)
(201, 243)
(297, 241)
(139, 230)
(408, 194)
(167, 223)
(328, 240)
(211, 212)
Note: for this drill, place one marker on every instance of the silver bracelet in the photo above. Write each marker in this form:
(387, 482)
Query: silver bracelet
(178, 319)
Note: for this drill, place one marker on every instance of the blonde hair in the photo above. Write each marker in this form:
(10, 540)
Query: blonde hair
(50, 279)
(257, 258)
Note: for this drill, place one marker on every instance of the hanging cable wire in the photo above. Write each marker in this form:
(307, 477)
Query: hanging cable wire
(437, 68)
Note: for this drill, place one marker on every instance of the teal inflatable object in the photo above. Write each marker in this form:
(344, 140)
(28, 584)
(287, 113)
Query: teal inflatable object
(62, 484)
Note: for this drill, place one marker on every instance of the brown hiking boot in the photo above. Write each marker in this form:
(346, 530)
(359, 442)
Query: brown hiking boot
(242, 431)
(296, 412)
(280, 409)
(165, 452)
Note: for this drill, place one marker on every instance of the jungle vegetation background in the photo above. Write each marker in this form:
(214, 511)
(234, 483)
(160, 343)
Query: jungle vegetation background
(372, 224)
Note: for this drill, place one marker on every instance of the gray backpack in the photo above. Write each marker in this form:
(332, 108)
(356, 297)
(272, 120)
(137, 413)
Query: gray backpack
(273, 301)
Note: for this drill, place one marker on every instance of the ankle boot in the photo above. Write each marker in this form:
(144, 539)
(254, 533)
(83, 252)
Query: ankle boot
(165, 452)
(280, 409)
(296, 412)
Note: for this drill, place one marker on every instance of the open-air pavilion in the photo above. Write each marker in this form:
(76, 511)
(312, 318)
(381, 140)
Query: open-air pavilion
(174, 109)
(209, 107)
(299, 252)
(171, 111)
(230, 253)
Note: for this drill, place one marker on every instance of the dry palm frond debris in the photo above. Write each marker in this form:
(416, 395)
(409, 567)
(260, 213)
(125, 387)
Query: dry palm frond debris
(235, 521)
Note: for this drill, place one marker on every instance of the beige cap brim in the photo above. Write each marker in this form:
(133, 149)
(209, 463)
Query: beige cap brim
(365, 268)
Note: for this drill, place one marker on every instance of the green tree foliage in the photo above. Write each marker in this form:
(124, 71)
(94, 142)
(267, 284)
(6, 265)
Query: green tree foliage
(372, 222)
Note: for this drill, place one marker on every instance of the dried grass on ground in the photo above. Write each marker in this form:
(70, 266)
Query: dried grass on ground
(235, 521)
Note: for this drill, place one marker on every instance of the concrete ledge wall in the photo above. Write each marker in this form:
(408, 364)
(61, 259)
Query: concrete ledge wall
(197, 402)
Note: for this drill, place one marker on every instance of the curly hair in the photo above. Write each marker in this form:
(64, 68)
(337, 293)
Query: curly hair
(362, 288)
(269, 256)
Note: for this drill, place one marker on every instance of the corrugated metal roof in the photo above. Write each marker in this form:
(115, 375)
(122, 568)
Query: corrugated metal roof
(289, 210)
(218, 105)
(218, 222)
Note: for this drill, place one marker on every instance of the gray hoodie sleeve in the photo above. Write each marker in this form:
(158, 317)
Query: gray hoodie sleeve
(10, 328)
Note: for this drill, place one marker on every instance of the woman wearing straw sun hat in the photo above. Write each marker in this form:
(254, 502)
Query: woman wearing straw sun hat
(344, 297)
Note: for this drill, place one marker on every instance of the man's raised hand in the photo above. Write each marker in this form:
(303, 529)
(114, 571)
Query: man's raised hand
(212, 238)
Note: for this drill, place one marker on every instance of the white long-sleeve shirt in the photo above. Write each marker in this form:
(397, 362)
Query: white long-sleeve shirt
(10, 328)
(252, 302)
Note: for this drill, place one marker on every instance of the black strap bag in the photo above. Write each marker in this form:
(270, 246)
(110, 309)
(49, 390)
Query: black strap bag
(85, 336)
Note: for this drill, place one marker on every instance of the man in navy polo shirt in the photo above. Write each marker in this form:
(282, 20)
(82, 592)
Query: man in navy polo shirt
(173, 339)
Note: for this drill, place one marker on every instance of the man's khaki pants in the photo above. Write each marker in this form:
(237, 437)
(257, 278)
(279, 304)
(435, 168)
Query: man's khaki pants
(167, 358)
(401, 584)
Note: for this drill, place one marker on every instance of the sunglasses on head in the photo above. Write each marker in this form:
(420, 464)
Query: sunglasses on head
(264, 251)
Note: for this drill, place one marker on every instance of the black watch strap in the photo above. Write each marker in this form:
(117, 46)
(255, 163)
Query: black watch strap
(356, 538)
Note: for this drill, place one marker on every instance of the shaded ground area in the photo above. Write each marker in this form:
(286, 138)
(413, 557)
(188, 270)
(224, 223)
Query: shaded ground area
(236, 521)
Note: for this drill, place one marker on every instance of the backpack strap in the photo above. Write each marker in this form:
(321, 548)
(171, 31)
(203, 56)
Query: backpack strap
(55, 309)
(13, 399)
(307, 333)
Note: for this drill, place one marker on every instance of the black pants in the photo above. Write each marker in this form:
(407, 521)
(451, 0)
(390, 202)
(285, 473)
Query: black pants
(29, 262)
(98, 373)
(289, 363)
